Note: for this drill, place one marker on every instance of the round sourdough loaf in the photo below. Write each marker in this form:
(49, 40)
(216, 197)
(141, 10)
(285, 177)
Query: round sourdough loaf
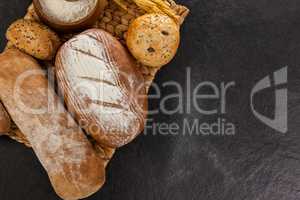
(102, 87)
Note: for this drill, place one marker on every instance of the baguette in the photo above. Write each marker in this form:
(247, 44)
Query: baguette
(72, 164)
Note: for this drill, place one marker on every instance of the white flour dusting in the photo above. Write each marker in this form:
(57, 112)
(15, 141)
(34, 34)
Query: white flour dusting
(68, 11)
(92, 78)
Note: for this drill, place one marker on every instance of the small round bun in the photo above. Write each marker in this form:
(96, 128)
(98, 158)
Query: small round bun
(153, 39)
(33, 38)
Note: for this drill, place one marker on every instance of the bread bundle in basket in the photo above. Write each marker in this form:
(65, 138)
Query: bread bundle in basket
(104, 62)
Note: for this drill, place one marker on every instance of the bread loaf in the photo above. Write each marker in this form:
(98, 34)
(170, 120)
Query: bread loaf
(103, 87)
(74, 169)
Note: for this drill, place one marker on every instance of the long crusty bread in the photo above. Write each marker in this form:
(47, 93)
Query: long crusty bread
(72, 164)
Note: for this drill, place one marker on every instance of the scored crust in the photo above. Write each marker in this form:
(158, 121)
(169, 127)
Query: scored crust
(102, 87)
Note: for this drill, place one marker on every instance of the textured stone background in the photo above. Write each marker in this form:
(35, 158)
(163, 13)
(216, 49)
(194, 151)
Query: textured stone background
(222, 40)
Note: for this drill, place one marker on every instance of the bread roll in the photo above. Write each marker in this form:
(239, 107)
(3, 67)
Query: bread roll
(103, 87)
(153, 39)
(74, 169)
(33, 38)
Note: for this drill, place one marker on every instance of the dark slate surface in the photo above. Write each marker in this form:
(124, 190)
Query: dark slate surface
(222, 40)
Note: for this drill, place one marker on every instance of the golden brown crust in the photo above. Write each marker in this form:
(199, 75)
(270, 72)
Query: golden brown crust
(153, 39)
(33, 38)
(31, 14)
(5, 122)
(72, 164)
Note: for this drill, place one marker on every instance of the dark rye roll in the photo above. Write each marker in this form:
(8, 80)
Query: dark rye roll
(102, 87)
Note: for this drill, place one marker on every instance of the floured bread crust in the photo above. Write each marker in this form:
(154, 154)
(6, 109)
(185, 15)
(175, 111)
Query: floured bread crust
(102, 87)
(72, 164)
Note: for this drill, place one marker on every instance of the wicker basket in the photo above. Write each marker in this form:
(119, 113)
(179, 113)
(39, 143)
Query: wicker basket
(115, 19)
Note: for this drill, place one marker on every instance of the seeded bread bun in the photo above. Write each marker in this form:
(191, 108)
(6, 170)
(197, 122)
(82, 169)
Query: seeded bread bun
(33, 38)
(153, 39)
